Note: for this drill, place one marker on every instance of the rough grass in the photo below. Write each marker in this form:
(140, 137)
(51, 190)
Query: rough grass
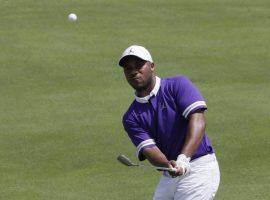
(63, 96)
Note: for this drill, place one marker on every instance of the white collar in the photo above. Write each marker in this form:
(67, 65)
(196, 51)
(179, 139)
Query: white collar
(152, 93)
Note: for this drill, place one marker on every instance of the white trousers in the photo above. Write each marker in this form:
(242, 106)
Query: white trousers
(200, 184)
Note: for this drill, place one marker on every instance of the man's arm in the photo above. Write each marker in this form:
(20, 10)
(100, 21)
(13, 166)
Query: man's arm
(195, 132)
(156, 157)
(196, 129)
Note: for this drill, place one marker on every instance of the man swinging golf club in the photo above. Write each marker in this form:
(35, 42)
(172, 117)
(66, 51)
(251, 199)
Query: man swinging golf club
(166, 123)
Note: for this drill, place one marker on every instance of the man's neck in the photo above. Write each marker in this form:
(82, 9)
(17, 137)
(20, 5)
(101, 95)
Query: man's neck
(146, 91)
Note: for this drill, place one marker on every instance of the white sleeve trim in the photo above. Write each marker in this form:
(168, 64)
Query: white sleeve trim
(192, 107)
(144, 144)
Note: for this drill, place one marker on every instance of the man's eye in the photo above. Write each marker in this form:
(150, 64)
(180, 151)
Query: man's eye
(139, 65)
(128, 69)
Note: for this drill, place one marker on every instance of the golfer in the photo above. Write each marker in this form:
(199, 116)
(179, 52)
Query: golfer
(166, 123)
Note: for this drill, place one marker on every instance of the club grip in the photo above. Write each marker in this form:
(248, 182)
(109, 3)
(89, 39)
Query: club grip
(166, 169)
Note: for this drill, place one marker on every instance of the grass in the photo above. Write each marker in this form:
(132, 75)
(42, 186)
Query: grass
(63, 96)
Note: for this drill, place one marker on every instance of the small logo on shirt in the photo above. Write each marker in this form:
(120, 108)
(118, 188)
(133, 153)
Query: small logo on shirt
(162, 106)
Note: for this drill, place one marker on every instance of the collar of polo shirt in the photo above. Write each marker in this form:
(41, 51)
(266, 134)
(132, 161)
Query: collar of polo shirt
(152, 93)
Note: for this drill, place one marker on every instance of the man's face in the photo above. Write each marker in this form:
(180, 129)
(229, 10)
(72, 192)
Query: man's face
(138, 72)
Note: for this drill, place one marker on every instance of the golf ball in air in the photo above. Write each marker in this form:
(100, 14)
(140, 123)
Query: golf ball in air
(72, 17)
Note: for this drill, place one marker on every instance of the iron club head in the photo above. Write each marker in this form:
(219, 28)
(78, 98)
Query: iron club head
(125, 160)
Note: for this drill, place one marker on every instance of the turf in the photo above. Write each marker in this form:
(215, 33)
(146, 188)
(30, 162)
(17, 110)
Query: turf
(63, 95)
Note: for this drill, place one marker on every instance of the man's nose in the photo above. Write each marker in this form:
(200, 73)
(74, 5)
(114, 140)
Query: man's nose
(133, 72)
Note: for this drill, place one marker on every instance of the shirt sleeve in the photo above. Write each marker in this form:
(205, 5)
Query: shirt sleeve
(189, 98)
(139, 137)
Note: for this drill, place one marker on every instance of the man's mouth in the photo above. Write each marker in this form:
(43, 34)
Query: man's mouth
(135, 78)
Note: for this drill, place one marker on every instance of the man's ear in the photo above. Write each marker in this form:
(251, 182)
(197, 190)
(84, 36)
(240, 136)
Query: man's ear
(152, 67)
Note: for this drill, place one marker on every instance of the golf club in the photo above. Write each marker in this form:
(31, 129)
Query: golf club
(126, 161)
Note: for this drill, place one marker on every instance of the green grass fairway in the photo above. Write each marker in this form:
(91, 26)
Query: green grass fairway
(63, 95)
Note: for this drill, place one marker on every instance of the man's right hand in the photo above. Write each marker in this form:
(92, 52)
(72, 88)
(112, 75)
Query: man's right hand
(179, 170)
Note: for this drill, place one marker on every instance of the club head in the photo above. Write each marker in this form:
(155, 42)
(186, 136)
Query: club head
(125, 160)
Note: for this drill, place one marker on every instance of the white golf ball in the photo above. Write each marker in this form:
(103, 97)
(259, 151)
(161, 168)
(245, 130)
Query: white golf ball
(72, 17)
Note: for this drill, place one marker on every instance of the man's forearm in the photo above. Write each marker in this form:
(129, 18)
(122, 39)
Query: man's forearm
(196, 129)
(156, 157)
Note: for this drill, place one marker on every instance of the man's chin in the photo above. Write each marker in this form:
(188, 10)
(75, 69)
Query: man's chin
(138, 87)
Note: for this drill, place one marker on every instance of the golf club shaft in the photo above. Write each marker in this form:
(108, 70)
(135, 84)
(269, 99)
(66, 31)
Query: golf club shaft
(157, 168)
(126, 161)
(166, 169)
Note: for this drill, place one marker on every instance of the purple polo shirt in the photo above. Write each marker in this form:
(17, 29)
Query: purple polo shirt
(161, 118)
